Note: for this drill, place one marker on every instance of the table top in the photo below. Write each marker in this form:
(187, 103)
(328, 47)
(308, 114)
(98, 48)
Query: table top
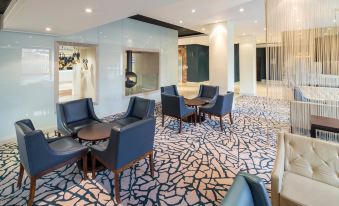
(195, 102)
(95, 132)
(325, 121)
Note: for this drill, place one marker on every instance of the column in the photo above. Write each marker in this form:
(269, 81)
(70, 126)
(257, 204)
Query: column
(221, 56)
(247, 65)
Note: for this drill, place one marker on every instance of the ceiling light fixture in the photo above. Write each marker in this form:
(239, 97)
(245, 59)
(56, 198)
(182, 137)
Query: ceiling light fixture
(203, 29)
(181, 22)
(193, 10)
(48, 29)
(88, 10)
(241, 9)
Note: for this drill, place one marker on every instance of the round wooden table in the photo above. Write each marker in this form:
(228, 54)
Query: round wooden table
(195, 103)
(94, 133)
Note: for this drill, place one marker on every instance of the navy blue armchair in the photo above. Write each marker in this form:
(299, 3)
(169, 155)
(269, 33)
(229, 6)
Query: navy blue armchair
(208, 93)
(75, 115)
(174, 106)
(126, 146)
(247, 190)
(171, 90)
(138, 109)
(39, 156)
(220, 108)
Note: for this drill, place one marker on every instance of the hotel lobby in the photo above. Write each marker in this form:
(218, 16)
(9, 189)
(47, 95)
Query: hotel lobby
(172, 102)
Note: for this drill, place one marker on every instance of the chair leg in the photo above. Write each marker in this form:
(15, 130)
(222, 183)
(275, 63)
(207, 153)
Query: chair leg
(163, 119)
(231, 118)
(221, 123)
(116, 186)
(21, 174)
(151, 163)
(180, 125)
(195, 119)
(32, 191)
(200, 117)
(210, 116)
(84, 166)
(93, 166)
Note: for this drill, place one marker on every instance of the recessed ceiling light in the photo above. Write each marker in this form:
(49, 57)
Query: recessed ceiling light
(255, 21)
(241, 9)
(193, 10)
(180, 21)
(334, 20)
(88, 10)
(243, 34)
(203, 29)
(48, 29)
(217, 21)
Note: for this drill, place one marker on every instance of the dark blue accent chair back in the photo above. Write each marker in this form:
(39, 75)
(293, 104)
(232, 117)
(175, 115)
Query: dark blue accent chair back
(173, 105)
(140, 108)
(208, 92)
(171, 90)
(247, 190)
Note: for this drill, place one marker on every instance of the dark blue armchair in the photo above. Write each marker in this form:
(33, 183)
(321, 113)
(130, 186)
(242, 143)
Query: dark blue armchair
(171, 90)
(75, 115)
(247, 190)
(174, 106)
(126, 146)
(208, 93)
(39, 156)
(138, 109)
(220, 108)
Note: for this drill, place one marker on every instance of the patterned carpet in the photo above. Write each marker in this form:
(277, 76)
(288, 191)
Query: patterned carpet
(193, 168)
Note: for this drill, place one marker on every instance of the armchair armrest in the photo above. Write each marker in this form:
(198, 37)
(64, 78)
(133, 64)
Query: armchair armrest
(91, 110)
(61, 122)
(278, 171)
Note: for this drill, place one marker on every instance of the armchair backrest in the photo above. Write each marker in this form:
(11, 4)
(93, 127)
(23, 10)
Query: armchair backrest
(130, 142)
(141, 108)
(32, 146)
(247, 190)
(311, 158)
(75, 110)
(172, 105)
(171, 90)
(207, 91)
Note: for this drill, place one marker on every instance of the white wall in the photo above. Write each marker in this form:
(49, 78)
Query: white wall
(247, 65)
(27, 81)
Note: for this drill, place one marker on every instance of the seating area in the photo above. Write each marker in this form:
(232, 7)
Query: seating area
(190, 102)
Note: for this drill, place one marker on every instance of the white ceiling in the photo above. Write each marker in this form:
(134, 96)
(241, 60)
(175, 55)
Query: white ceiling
(67, 17)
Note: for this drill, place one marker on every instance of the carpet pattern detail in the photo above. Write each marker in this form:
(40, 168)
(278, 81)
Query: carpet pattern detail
(196, 167)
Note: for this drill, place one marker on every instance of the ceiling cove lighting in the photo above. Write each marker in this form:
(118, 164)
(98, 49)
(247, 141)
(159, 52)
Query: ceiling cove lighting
(241, 10)
(88, 10)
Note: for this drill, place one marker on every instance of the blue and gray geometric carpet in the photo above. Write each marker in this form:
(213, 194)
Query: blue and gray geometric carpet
(196, 167)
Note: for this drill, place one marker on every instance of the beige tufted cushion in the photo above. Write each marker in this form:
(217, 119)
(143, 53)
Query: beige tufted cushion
(312, 158)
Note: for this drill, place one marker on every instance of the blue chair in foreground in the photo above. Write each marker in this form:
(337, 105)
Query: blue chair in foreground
(247, 190)
(174, 106)
(138, 109)
(39, 156)
(75, 115)
(208, 93)
(220, 108)
(126, 146)
(171, 90)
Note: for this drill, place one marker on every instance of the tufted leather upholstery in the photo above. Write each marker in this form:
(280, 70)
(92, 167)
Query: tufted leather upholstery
(37, 154)
(171, 90)
(305, 161)
(208, 93)
(74, 115)
(247, 190)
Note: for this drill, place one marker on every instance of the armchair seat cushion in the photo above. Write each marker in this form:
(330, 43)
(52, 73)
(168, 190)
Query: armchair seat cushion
(67, 145)
(206, 99)
(119, 123)
(100, 147)
(76, 126)
(300, 190)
